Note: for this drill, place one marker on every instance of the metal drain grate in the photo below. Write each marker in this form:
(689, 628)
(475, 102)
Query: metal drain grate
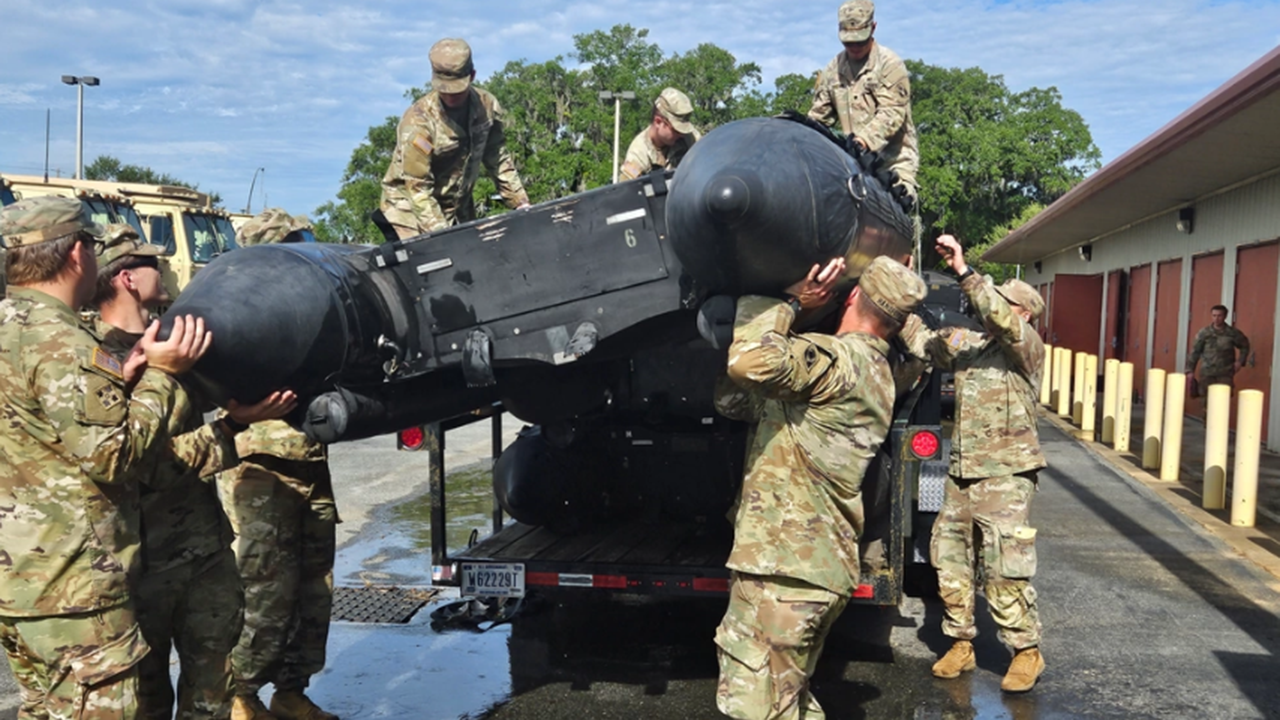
(379, 603)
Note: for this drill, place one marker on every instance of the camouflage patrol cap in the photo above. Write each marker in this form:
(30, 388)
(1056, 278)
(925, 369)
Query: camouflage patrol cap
(272, 225)
(676, 108)
(1022, 295)
(451, 66)
(856, 19)
(121, 240)
(40, 219)
(892, 287)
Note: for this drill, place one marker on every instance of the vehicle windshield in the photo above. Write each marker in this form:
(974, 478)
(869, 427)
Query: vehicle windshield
(161, 233)
(227, 231)
(129, 215)
(6, 195)
(99, 210)
(207, 239)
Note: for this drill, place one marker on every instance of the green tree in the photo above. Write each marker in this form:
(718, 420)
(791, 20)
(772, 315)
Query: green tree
(988, 155)
(106, 167)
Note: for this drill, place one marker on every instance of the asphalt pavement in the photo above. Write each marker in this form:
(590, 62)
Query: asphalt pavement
(1146, 615)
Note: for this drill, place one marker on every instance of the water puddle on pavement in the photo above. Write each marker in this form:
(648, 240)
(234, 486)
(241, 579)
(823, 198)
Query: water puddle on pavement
(395, 547)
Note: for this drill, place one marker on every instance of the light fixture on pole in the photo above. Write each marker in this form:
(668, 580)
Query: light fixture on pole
(80, 81)
(617, 98)
(249, 203)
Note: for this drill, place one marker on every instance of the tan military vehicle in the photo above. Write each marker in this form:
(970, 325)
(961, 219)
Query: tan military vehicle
(182, 221)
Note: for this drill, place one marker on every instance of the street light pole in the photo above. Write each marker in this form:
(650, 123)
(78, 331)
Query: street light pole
(249, 203)
(80, 82)
(617, 98)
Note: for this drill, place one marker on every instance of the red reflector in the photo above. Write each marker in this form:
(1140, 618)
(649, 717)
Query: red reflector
(411, 438)
(925, 444)
(542, 578)
(711, 584)
(864, 592)
(609, 581)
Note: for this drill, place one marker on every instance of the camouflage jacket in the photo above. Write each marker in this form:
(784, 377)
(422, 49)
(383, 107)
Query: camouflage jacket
(1215, 350)
(437, 161)
(644, 157)
(871, 101)
(70, 449)
(279, 439)
(185, 521)
(997, 385)
(822, 406)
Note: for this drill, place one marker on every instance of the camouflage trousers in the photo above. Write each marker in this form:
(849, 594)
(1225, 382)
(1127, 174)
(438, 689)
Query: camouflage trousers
(999, 508)
(81, 667)
(196, 607)
(769, 643)
(284, 548)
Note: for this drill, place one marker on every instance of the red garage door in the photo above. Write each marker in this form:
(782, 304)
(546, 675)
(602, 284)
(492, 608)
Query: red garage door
(1255, 314)
(1076, 312)
(1135, 326)
(1206, 291)
(1167, 337)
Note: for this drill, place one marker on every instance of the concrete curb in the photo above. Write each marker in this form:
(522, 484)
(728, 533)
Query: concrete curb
(1249, 543)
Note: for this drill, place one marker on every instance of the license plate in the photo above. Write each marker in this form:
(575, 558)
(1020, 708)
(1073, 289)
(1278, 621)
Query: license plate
(493, 580)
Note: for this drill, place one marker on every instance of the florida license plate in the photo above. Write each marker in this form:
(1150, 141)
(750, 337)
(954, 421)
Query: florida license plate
(493, 579)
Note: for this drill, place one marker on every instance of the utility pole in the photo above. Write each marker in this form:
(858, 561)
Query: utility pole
(47, 112)
(80, 82)
(248, 204)
(617, 98)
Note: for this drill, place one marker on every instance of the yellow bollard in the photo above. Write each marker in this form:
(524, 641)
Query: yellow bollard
(1124, 407)
(1057, 378)
(1046, 375)
(1244, 487)
(1064, 383)
(1077, 390)
(1111, 376)
(1216, 425)
(1175, 399)
(1153, 419)
(1089, 399)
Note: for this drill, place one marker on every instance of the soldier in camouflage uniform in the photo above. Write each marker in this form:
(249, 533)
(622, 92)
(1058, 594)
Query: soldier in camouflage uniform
(663, 144)
(441, 144)
(821, 406)
(1215, 350)
(189, 593)
(866, 89)
(280, 501)
(79, 426)
(995, 456)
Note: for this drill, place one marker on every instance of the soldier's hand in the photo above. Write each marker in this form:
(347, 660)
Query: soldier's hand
(272, 407)
(815, 289)
(188, 342)
(949, 248)
(134, 364)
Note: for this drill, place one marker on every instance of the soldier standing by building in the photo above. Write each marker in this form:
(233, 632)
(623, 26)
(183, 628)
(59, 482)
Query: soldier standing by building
(1215, 350)
(189, 593)
(280, 501)
(866, 89)
(995, 456)
(663, 144)
(821, 406)
(80, 423)
(443, 141)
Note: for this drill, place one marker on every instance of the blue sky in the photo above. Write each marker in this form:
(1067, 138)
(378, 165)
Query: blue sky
(209, 90)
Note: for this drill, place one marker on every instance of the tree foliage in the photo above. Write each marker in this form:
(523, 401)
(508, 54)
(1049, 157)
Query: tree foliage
(987, 154)
(106, 167)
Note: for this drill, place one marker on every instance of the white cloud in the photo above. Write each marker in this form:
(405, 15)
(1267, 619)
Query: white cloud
(209, 90)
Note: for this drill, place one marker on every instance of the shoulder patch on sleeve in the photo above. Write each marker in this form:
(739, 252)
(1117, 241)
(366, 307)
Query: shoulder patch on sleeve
(422, 143)
(956, 338)
(105, 362)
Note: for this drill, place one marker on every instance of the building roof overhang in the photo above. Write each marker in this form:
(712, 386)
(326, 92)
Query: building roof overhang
(1227, 139)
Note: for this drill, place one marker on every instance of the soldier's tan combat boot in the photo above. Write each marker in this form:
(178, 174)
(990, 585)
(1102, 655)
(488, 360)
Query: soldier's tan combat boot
(249, 707)
(1025, 669)
(959, 658)
(290, 705)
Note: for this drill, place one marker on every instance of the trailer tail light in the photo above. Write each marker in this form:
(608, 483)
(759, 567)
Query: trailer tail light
(925, 444)
(411, 439)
